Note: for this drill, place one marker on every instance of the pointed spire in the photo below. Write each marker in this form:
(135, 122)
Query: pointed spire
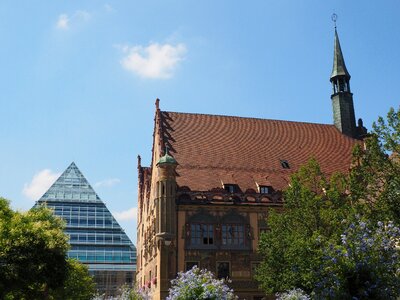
(339, 67)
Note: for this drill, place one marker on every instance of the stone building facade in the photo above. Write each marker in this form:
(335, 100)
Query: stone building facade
(213, 180)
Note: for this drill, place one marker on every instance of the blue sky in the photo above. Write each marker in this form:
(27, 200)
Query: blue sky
(78, 79)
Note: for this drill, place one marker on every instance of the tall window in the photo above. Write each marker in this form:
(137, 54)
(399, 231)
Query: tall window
(223, 270)
(201, 234)
(233, 234)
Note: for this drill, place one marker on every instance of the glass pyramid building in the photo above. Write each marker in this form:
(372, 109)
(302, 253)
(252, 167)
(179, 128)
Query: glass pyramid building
(96, 238)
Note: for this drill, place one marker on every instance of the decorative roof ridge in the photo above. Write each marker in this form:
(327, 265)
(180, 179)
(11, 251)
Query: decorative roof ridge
(250, 118)
(158, 128)
(264, 170)
(159, 121)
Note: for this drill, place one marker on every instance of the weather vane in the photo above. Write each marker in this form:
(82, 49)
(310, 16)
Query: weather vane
(334, 18)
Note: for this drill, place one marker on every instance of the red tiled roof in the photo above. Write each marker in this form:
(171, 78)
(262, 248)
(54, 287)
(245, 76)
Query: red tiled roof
(212, 150)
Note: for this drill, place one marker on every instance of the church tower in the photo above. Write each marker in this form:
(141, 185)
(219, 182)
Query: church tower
(342, 98)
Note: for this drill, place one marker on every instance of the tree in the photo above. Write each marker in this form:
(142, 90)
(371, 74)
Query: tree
(375, 176)
(33, 254)
(197, 284)
(77, 285)
(363, 265)
(311, 216)
(317, 213)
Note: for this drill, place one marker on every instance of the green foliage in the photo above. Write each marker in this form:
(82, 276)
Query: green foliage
(389, 131)
(363, 265)
(78, 284)
(33, 249)
(133, 293)
(375, 176)
(312, 214)
(312, 220)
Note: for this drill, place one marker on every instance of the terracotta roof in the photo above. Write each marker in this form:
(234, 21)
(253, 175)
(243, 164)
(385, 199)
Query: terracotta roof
(212, 150)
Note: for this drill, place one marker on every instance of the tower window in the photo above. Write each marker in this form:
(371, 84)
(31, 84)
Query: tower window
(285, 164)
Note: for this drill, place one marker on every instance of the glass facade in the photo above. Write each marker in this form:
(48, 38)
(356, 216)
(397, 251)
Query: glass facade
(96, 238)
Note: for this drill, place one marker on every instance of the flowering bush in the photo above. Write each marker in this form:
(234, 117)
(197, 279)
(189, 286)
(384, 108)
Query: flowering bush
(294, 294)
(197, 284)
(365, 264)
(128, 293)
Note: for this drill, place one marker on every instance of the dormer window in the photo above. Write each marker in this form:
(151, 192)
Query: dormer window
(265, 189)
(285, 164)
(231, 188)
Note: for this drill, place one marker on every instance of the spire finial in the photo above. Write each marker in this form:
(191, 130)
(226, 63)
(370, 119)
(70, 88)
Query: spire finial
(334, 18)
(166, 149)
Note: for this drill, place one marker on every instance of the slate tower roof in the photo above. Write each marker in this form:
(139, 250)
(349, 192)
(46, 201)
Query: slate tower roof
(339, 66)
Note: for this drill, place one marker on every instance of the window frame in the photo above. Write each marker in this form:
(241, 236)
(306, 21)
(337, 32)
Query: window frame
(265, 189)
(202, 235)
(241, 237)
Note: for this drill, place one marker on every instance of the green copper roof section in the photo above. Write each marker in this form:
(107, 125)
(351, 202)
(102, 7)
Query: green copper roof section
(167, 159)
(339, 67)
(71, 186)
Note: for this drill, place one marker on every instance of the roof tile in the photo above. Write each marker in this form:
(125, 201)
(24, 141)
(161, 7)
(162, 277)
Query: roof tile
(212, 148)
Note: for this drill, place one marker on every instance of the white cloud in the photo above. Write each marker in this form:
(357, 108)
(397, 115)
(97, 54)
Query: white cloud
(126, 215)
(108, 8)
(155, 61)
(107, 182)
(40, 183)
(82, 15)
(63, 22)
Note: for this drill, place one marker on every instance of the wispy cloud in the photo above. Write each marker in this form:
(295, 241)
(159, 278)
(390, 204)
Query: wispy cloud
(108, 8)
(126, 215)
(154, 61)
(107, 182)
(62, 22)
(65, 21)
(40, 183)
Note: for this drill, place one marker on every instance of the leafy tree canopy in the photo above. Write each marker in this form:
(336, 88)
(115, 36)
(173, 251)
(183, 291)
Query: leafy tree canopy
(317, 213)
(33, 256)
